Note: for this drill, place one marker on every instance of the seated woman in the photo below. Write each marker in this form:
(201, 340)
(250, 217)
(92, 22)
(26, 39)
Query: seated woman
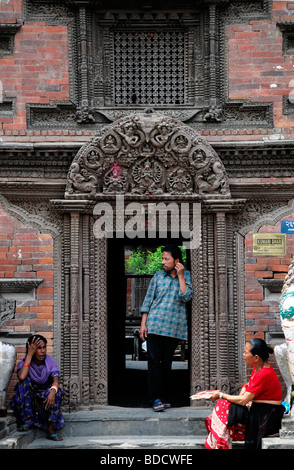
(38, 398)
(255, 413)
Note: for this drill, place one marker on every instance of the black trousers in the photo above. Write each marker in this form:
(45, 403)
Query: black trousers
(160, 351)
(261, 420)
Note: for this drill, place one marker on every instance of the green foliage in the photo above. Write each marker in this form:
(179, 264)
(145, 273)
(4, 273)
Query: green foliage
(147, 262)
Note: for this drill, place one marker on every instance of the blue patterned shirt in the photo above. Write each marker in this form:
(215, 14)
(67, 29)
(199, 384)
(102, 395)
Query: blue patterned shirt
(166, 305)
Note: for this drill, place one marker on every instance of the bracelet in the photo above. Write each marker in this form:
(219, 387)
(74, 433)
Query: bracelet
(26, 364)
(221, 395)
(54, 387)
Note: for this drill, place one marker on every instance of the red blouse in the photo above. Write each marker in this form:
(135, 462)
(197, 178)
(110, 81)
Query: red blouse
(265, 385)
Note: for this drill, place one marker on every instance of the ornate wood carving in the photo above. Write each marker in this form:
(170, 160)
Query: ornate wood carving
(219, 227)
(37, 218)
(222, 307)
(65, 338)
(75, 320)
(138, 157)
(86, 352)
(100, 323)
(147, 155)
(53, 160)
(104, 51)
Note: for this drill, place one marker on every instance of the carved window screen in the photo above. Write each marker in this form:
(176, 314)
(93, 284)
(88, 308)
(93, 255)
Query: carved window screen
(149, 67)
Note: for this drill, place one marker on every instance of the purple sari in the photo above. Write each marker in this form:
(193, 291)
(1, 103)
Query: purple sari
(28, 401)
(40, 374)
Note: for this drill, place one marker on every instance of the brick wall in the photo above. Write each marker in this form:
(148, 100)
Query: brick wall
(27, 253)
(261, 311)
(258, 71)
(37, 72)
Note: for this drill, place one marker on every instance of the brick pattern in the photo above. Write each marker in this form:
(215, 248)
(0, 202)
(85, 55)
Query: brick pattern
(38, 70)
(38, 73)
(26, 253)
(261, 314)
(258, 70)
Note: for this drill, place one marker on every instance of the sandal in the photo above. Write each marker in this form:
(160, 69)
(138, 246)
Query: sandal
(24, 427)
(166, 405)
(54, 437)
(158, 405)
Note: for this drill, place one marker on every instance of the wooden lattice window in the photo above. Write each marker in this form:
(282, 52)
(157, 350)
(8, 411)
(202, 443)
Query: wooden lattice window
(149, 67)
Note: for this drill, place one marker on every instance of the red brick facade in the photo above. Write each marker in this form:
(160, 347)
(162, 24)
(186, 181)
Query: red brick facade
(27, 253)
(263, 315)
(259, 71)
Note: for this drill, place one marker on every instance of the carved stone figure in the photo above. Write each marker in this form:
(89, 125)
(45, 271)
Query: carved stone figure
(82, 180)
(153, 154)
(132, 133)
(284, 353)
(85, 114)
(7, 362)
(115, 180)
(180, 181)
(147, 176)
(7, 310)
(213, 114)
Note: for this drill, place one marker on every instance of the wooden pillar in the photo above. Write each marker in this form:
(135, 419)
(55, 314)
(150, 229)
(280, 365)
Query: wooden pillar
(212, 53)
(65, 321)
(214, 324)
(100, 321)
(75, 388)
(86, 330)
(222, 300)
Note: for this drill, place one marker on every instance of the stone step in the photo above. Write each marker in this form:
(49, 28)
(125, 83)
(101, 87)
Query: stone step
(118, 427)
(277, 443)
(117, 421)
(121, 442)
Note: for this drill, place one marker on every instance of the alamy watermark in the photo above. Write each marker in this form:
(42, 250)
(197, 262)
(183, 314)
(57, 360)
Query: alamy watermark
(149, 220)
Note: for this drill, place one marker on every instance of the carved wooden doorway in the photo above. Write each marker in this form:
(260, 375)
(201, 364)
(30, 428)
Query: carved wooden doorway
(141, 159)
(127, 279)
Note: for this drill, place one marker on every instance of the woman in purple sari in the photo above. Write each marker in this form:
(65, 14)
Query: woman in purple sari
(38, 397)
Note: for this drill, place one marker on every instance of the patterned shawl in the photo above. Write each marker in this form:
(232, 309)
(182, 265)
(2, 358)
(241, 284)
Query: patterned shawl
(40, 374)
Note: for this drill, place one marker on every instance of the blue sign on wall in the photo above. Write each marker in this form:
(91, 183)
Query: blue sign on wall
(287, 226)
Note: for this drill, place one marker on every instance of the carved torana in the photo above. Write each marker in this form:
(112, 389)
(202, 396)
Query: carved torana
(147, 154)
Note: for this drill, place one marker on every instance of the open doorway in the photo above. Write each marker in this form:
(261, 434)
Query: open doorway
(131, 264)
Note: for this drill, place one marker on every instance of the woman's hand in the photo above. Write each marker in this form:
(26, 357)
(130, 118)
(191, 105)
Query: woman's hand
(215, 395)
(50, 400)
(33, 346)
(31, 351)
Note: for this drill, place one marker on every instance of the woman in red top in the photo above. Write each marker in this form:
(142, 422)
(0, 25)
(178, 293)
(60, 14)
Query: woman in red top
(253, 414)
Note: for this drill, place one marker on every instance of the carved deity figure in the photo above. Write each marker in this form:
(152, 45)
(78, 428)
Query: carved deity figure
(82, 180)
(155, 154)
(115, 179)
(161, 134)
(213, 114)
(148, 175)
(131, 132)
(285, 352)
